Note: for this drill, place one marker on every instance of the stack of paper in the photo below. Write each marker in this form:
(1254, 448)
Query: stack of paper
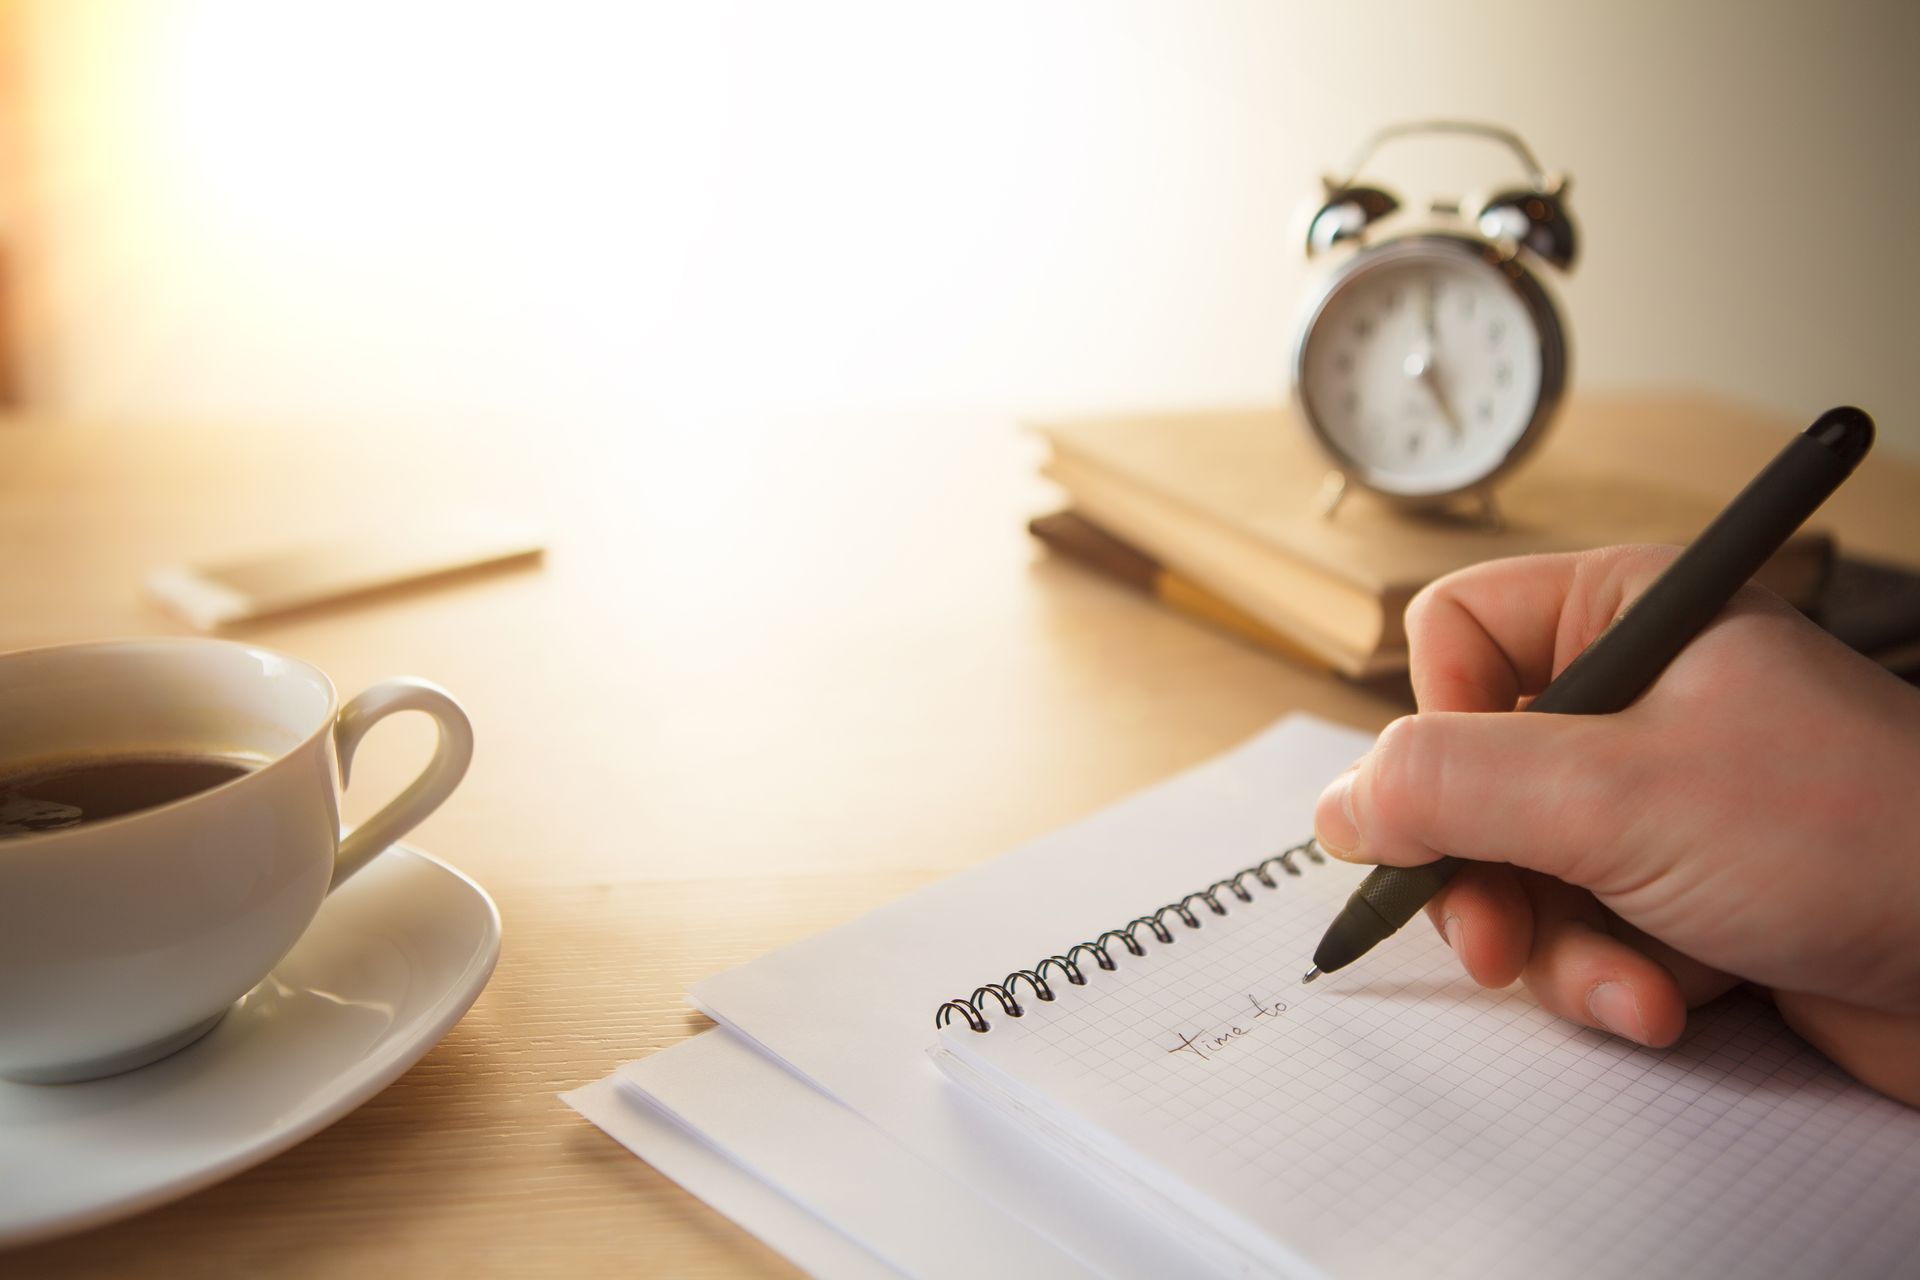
(1394, 1119)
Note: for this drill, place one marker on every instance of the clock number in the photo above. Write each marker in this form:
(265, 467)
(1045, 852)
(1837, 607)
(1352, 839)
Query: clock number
(1496, 331)
(1344, 362)
(1503, 373)
(1363, 328)
(1485, 411)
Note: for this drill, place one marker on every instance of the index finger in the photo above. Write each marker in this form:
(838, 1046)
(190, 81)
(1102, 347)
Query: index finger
(1484, 637)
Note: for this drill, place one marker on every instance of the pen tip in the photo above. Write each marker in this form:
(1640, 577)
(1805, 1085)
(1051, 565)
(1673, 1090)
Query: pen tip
(1311, 975)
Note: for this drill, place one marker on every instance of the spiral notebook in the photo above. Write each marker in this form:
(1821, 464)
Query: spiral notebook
(1393, 1117)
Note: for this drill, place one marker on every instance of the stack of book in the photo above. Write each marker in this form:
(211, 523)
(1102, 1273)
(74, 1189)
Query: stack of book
(1219, 515)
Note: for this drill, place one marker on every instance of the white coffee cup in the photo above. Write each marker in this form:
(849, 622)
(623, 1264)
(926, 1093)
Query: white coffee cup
(125, 939)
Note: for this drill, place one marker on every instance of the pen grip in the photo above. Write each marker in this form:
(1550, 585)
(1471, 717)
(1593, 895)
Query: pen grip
(1385, 900)
(1618, 666)
(1630, 654)
(1397, 893)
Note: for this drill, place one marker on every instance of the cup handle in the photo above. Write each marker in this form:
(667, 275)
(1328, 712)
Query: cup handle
(452, 751)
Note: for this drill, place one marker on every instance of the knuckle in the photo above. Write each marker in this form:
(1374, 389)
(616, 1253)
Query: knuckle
(1457, 584)
(1401, 778)
(1421, 607)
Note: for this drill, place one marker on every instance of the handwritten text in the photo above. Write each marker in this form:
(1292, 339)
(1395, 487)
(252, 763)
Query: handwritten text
(1206, 1046)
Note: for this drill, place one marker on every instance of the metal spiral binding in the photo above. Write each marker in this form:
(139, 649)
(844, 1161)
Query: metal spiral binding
(1006, 991)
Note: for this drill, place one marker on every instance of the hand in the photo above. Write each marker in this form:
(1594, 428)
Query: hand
(1754, 816)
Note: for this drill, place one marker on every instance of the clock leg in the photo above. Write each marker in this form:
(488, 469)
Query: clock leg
(1490, 517)
(1332, 490)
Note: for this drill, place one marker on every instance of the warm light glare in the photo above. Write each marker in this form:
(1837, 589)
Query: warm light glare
(512, 212)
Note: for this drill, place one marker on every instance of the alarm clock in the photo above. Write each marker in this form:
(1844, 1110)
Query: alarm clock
(1431, 359)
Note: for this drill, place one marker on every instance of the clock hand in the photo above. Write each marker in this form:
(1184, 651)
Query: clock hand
(1420, 366)
(1431, 376)
(1431, 365)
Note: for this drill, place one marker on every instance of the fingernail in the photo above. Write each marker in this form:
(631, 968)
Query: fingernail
(1456, 936)
(1334, 827)
(1615, 1007)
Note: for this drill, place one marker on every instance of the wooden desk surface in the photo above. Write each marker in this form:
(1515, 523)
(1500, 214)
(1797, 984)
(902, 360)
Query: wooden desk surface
(772, 674)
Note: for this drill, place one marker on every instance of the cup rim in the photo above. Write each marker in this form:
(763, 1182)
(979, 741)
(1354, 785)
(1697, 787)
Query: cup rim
(42, 839)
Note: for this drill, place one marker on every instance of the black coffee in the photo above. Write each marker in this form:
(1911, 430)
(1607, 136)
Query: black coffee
(50, 797)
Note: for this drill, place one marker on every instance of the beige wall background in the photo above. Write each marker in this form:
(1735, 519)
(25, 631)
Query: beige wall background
(512, 216)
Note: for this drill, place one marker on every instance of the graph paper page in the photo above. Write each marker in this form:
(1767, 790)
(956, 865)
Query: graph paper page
(1395, 1119)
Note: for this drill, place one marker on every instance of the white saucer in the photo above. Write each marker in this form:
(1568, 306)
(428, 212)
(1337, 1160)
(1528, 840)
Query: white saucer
(393, 960)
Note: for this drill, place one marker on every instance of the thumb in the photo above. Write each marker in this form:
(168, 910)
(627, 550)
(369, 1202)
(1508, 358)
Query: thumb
(1551, 793)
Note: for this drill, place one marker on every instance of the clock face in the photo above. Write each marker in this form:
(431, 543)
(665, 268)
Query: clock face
(1425, 365)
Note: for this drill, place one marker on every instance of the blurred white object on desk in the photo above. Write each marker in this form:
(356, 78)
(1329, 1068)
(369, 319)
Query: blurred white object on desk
(215, 596)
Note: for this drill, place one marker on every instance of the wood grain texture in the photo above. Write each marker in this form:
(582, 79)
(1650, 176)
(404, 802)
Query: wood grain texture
(771, 675)
(470, 1162)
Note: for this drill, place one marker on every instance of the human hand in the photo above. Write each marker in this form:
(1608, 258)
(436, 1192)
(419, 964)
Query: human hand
(1754, 816)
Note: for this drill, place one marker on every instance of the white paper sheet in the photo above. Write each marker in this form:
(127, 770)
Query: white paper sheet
(853, 1009)
(837, 1166)
(809, 1243)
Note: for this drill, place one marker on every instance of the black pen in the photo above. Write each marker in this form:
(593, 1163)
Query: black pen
(1631, 653)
